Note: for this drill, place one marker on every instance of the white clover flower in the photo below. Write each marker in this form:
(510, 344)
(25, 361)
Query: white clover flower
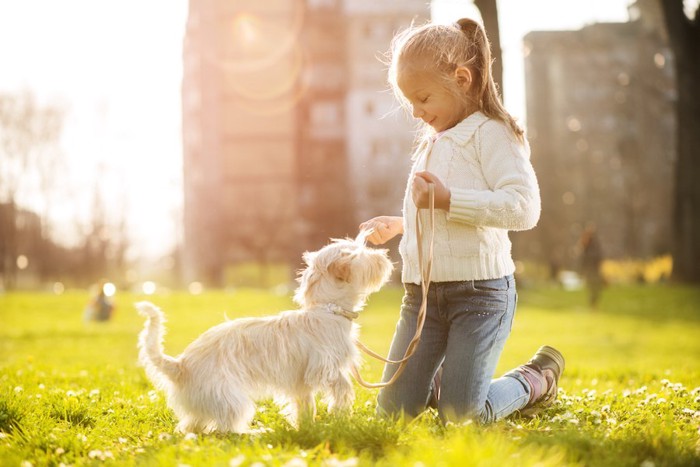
(190, 437)
(236, 461)
(19, 389)
(94, 393)
(626, 393)
(71, 393)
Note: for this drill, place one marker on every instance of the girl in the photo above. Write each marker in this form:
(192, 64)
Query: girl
(477, 157)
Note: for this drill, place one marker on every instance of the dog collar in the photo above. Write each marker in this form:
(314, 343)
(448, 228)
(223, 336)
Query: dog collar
(340, 311)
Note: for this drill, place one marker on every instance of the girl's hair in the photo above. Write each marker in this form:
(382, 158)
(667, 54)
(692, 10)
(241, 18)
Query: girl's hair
(443, 48)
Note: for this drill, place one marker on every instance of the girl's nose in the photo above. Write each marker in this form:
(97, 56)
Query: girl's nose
(417, 111)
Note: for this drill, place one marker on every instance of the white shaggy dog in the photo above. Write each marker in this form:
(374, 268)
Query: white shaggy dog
(214, 383)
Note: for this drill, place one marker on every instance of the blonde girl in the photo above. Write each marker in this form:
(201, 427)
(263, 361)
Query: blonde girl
(477, 157)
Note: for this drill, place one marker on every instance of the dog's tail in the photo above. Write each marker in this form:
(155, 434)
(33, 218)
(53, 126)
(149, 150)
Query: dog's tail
(157, 364)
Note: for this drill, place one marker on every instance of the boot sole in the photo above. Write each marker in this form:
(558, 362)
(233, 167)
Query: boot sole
(551, 395)
(555, 355)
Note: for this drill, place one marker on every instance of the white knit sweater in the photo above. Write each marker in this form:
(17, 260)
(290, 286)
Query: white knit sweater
(493, 190)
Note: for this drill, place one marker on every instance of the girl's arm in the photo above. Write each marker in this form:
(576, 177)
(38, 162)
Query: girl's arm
(384, 228)
(513, 202)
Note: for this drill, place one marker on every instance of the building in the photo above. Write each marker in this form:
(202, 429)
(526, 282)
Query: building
(600, 120)
(283, 137)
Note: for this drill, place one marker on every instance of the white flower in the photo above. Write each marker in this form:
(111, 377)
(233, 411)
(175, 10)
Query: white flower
(19, 389)
(190, 437)
(236, 461)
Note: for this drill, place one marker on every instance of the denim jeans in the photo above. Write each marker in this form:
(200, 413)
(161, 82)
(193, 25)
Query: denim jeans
(466, 326)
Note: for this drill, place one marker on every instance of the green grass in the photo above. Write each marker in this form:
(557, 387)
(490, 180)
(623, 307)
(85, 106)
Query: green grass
(72, 393)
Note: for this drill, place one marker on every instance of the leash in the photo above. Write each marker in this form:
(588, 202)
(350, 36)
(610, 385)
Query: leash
(425, 272)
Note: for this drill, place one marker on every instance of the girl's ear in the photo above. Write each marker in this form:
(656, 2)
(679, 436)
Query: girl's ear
(463, 76)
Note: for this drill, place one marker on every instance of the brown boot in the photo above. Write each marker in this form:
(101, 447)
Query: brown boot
(542, 373)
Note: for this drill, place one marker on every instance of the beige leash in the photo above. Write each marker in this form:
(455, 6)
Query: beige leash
(425, 283)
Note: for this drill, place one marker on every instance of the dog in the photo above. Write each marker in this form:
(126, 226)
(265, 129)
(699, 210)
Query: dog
(214, 384)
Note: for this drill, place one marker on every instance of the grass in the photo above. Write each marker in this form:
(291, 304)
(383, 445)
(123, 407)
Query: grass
(71, 393)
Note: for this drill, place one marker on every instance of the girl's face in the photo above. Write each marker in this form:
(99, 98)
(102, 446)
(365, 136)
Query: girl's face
(431, 101)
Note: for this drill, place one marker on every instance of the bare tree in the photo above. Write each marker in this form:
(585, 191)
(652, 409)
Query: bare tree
(29, 155)
(489, 14)
(684, 36)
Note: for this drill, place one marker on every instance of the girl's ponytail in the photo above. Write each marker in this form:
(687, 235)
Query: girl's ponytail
(486, 93)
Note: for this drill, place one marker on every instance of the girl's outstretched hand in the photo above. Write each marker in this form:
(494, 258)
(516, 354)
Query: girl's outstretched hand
(383, 228)
(419, 191)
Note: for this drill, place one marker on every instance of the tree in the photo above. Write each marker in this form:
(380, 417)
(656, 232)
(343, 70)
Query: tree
(684, 37)
(489, 15)
(29, 136)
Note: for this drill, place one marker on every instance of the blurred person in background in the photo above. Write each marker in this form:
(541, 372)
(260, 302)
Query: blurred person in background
(101, 306)
(591, 261)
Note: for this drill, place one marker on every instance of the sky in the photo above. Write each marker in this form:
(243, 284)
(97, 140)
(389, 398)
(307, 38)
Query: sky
(116, 66)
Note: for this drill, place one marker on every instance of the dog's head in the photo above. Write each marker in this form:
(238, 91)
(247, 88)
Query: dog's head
(344, 271)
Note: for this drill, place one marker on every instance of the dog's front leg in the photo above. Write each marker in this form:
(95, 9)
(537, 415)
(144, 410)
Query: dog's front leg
(300, 408)
(341, 394)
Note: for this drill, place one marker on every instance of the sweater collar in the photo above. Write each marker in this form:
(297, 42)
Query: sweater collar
(464, 130)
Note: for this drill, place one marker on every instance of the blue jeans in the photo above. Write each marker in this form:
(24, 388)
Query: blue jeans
(467, 324)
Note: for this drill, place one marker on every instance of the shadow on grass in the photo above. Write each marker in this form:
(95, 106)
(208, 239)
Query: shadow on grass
(633, 450)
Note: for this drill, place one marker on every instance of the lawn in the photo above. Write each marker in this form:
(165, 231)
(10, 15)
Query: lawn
(71, 393)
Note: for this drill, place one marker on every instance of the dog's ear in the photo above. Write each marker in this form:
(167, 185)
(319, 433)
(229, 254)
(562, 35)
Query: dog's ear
(309, 256)
(340, 268)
